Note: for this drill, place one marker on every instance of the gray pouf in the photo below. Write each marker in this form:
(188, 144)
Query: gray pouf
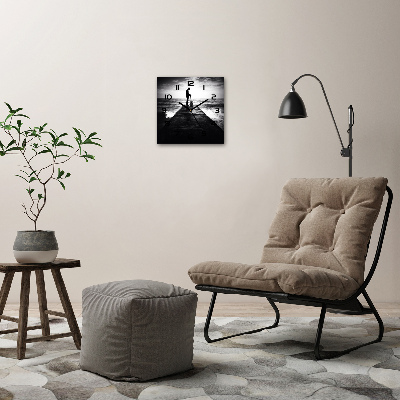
(137, 330)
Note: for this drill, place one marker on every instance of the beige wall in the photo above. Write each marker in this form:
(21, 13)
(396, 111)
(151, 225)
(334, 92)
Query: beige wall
(145, 211)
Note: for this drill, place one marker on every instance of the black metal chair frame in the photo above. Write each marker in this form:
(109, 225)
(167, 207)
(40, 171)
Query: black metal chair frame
(350, 305)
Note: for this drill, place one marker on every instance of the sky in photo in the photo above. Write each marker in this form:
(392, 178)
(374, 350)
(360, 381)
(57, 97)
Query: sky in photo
(211, 86)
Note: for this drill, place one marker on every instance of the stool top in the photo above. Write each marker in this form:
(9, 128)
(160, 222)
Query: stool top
(57, 263)
(139, 289)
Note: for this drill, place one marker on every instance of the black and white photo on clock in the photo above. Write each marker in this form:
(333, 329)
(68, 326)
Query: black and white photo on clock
(190, 110)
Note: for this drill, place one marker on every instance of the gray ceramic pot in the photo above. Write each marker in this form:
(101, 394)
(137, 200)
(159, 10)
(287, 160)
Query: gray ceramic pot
(35, 247)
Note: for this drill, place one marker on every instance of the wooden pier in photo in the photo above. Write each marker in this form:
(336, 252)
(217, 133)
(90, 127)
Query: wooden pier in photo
(190, 126)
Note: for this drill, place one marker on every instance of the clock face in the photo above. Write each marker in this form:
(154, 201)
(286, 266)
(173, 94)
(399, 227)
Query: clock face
(190, 110)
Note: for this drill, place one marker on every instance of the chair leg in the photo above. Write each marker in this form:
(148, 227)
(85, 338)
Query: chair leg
(23, 314)
(210, 311)
(319, 332)
(68, 310)
(335, 354)
(42, 299)
(5, 289)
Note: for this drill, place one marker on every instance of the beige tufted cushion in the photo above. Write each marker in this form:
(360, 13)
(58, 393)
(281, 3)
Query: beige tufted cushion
(317, 241)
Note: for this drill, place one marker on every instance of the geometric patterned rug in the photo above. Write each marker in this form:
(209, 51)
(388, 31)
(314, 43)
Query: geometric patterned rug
(275, 364)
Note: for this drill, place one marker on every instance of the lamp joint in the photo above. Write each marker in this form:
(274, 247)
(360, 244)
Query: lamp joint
(345, 152)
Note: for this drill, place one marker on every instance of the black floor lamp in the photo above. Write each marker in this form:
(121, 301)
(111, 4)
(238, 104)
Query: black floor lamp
(293, 107)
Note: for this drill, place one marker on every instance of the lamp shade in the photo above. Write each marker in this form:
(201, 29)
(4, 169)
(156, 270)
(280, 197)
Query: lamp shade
(292, 106)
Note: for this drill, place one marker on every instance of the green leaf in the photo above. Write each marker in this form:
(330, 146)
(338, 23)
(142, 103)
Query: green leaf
(64, 144)
(15, 148)
(62, 155)
(87, 156)
(30, 191)
(60, 173)
(22, 177)
(32, 179)
(9, 107)
(92, 135)
(11, 143)
(45, 150)
(90, 138)
(63, 186)
(22, 115)
(7, 127)
(78, 134)
(63, 134)
(67, 175)
(17, 128)
(52, 136)
(87, 141)
(40, 196)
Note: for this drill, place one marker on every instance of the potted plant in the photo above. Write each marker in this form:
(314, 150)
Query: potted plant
(44, 154)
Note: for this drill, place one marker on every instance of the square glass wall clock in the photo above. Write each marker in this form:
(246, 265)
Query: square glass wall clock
(190, 110)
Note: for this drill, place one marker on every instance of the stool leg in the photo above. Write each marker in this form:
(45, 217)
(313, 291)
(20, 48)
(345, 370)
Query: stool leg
(41, 291)
(5, 289)
(69, 312)
(23, 314)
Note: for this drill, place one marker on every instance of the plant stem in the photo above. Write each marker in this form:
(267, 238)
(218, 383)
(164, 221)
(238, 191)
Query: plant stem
(23, 143)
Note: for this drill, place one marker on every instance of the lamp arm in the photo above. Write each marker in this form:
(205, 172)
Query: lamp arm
(327, 102)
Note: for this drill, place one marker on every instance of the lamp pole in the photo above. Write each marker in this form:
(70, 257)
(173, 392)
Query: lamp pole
(348, 151)
(293, 107)
(350, 147)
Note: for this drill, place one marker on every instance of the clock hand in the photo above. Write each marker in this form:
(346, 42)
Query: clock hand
(200, 104)
(184, 106)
